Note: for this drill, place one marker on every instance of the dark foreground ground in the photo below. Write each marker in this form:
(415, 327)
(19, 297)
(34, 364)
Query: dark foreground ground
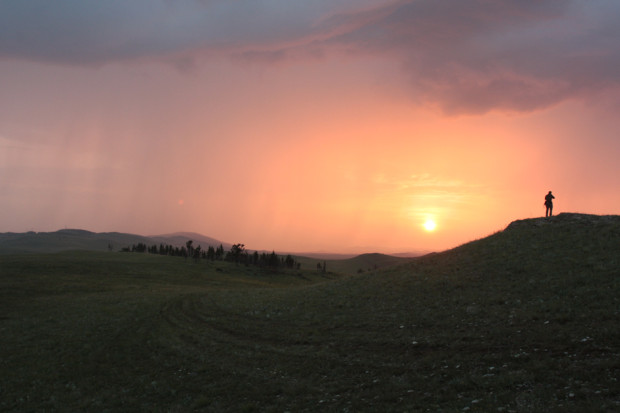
(526, 320)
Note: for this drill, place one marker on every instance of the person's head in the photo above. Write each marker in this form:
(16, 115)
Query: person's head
(549, 191)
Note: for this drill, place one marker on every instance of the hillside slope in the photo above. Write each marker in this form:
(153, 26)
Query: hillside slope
(552, 246)
(525, 320)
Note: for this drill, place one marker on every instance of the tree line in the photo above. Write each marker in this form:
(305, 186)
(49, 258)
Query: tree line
(237, 254)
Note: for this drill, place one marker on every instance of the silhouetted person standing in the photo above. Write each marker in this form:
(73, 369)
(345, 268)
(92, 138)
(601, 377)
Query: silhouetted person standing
(549, 204)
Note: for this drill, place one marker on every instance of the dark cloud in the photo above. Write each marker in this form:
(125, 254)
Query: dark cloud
(463, 56)
(479, 55)
(69, 31)
(471, 57)
(98, 32)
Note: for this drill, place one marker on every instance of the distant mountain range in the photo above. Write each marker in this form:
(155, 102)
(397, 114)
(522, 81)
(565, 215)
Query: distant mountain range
(180, 239)
(78, 239)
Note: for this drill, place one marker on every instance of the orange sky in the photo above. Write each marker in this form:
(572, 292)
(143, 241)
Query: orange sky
(337, 129)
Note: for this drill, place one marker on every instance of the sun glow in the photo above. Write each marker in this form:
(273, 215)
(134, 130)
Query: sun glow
(430, 225)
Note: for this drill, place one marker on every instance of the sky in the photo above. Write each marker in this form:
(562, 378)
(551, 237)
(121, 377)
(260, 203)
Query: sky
(304, 126)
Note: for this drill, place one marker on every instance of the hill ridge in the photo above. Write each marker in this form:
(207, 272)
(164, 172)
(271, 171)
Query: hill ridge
(522, 320)
(565, 218)
(536, 245)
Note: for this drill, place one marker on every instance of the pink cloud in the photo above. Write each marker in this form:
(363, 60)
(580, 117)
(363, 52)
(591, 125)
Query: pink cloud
(478, 56)
(465, 57)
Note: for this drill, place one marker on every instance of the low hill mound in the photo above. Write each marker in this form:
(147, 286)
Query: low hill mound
(368, 262)
(523, 320)
(179, 239)
(563, 243)
(354, 265)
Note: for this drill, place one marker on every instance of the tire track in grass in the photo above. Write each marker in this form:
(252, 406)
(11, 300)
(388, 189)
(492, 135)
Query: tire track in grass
(198, 320)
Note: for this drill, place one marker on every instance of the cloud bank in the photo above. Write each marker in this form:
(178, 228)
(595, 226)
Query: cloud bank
(464, 57)
(476, 56)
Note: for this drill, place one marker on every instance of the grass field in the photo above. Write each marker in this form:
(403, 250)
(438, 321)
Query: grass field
(526, 320)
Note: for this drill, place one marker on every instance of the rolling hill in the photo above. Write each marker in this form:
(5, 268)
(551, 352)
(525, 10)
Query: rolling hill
(77, 239)
(81, 240)
(525, 320)
(354, 265)
(65, 240)
(180, 239)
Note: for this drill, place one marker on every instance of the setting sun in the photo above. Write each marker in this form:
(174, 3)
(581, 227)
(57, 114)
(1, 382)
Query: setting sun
(430, 225)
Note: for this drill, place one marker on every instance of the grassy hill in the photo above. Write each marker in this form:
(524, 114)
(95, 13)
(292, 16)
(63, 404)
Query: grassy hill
(526, 320)
(180, 239)
(354, 265)
(81, 240)
(77, 239)
(65, 240)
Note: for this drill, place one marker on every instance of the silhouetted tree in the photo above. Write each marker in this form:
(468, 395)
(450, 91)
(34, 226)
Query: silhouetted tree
(211, 253)
(190, 249)
(219, 252)
(255, 258)
(273, 261)
(197, 251)
(289, 261)
(236, 253)
(140, 247)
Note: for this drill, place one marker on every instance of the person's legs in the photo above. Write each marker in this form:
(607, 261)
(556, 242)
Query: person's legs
(550, 210)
